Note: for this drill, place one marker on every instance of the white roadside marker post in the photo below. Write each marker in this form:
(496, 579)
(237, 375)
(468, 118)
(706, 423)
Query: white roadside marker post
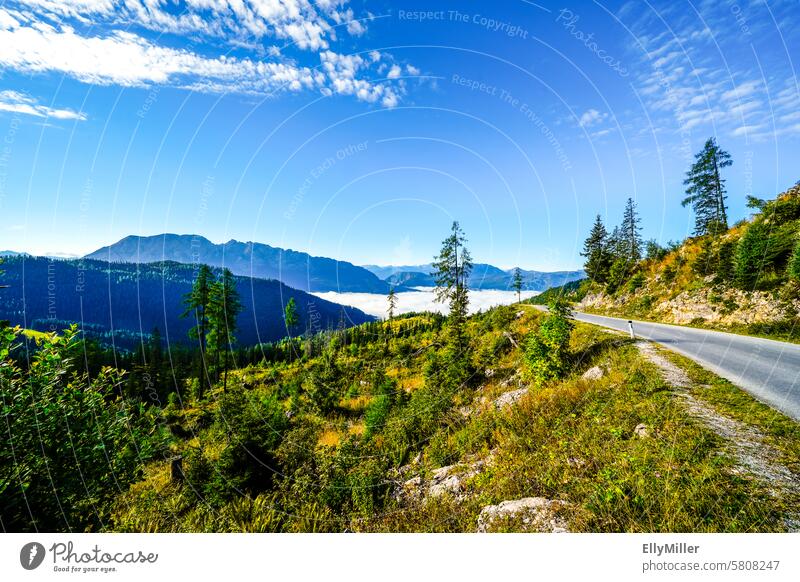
(630, 327)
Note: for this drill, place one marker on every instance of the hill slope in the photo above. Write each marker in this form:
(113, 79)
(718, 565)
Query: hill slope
(745, 280)
(298, 270)
(132, 299)
(364, 435)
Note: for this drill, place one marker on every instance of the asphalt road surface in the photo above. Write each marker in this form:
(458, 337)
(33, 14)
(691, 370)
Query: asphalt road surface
(767, 369)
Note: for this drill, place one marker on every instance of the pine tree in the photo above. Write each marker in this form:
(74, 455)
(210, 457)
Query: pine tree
(596, 251)
(630, 237)
(225, 308)
(750, 255)
(706, 189)
(726, 262)
(290, 315)
(155, 362)
(452, 267)
(392, 301)
(516, 284)
(197, 303)
(291, 320)
(614, 246)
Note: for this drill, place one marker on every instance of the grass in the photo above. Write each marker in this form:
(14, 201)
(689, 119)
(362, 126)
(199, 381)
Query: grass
(575, 441)
(780, 431)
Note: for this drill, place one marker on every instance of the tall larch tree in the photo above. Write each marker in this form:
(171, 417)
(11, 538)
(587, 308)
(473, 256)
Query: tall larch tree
(516, 284)
(391, 299)
(630, 232)
(705, 189)
(452, 268)
(291, 320)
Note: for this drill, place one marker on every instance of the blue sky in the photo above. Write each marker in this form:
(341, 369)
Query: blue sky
(360, 130)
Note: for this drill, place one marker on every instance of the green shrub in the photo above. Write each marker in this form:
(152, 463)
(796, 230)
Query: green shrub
(617, 275)
(794, 263)
(376, 414)
(547, 349)
(750, 255)
(636, 282)
(70, 442)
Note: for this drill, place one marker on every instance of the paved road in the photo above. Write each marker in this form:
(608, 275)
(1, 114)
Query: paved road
(767, 369)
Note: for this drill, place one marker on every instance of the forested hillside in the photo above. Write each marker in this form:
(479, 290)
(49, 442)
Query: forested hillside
(743, 278)
(125, 301)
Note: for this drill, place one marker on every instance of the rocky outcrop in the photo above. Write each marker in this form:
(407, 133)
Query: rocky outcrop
(594, 373)
(509, 398)
(729, 307)
(529, 514)
(448, 480)
(708, 305)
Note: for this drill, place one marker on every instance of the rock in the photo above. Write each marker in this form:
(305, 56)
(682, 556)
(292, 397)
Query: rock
(513, 379)
(410, 489)
(444, 480)
(642, 431)
(450, 479)
(594, 373)
(445, 483)
(511, 339)
(509, 398)
(529, 514)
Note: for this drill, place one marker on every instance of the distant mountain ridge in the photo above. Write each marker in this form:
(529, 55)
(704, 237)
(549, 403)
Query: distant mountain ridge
(130, 300)
(484, 276)
(250, 259)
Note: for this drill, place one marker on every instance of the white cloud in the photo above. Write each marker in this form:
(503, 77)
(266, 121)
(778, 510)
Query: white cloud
(394, 72)
(789, 117)
(46, 42)
(747, 129)
(742, 91)
(15, 102)
(342, 71)
(128, 60)
(308, 25)
(591, 117)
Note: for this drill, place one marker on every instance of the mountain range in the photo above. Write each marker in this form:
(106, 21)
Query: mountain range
(484, 276)
(124, 301)
(295, 269)
(306, 272)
